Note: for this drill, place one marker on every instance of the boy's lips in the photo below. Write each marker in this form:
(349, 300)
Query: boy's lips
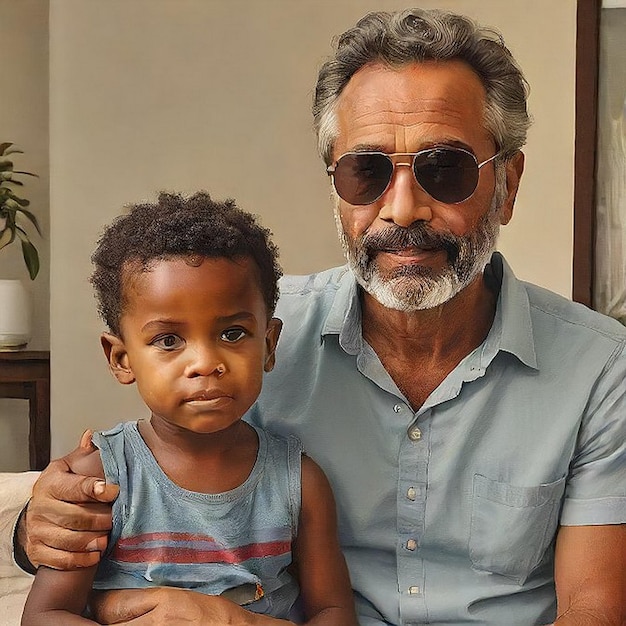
(210, 396)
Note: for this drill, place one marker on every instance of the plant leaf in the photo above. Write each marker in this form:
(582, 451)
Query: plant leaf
(5, 146)
(32, 218)
(6, 165)
(10, 204)
(31, 258)
(6, 237)
(20, 201)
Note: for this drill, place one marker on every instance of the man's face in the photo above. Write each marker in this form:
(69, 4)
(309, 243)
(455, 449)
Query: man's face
(407, 249)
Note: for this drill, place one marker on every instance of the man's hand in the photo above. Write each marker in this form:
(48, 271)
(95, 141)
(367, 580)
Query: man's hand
(160, 606)
(68, 518)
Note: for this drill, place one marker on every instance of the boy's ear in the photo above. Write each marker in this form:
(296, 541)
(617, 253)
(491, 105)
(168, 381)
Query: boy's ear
(116, 355)
(271, 340)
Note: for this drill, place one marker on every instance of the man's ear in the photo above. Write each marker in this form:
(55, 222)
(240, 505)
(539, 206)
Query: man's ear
(271, 340)
(116, 355)
(514, 170)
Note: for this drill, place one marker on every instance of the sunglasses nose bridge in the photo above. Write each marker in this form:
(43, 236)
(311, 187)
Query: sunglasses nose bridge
(407, 159)
(403, 160)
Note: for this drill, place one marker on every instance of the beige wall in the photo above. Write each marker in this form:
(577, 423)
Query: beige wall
(24, 121)
(215, 94)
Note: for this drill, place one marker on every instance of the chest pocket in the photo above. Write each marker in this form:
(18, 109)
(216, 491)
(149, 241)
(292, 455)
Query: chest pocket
(512, 527)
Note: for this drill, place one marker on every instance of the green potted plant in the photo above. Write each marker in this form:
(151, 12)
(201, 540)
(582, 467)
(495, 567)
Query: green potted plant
(15, 318)
(13, 209)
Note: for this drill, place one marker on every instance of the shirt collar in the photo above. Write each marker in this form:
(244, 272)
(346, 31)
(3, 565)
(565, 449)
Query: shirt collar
(513, 313)
(511, 330)
(344, 317)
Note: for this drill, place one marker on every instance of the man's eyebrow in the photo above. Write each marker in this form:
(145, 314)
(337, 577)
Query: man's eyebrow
(434, 143)
(455, 143)
(367, 147)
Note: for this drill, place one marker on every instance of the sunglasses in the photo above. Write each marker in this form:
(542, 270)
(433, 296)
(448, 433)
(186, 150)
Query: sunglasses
(449, 175)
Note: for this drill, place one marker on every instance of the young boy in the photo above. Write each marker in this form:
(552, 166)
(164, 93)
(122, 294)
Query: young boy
(187, 288)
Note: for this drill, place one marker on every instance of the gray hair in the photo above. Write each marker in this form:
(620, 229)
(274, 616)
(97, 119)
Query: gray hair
(417, 35)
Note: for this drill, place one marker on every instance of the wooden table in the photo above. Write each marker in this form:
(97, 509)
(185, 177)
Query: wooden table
(26, 374)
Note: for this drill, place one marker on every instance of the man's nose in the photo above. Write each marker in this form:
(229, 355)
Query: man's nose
(405, 202)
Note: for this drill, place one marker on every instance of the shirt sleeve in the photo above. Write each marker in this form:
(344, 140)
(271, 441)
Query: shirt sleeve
(596, 486)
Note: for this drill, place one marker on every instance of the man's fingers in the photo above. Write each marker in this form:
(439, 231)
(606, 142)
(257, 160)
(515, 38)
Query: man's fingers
(71, 540)
(60, 559)
(61, 548)
(67, 520)
(57, 516)
(85, 440)
(58, 483)
(104, 492)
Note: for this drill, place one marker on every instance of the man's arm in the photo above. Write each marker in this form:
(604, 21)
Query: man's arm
(15, 490)
(66, 522)
(159, 606)
(590, 575)
(60, 597)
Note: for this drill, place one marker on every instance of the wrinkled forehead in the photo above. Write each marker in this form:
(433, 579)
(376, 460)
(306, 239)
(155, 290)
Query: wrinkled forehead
(424, 102)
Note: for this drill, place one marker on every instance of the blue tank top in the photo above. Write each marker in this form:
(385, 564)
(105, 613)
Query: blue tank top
(240, 539)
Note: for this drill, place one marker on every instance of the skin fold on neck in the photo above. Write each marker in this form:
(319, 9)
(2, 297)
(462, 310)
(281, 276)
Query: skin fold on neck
(431, 341)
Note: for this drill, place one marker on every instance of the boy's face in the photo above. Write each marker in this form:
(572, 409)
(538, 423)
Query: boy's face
(196, 340)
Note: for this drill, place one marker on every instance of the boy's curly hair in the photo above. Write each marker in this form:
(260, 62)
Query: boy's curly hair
(179, 226)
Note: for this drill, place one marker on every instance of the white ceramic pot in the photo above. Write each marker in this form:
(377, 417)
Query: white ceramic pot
(15, 322)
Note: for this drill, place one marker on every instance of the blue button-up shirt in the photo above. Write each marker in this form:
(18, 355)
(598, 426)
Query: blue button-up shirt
(448, 514)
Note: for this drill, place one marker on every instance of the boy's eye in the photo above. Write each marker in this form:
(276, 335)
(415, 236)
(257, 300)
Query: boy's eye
(233, 334)
(168, 342)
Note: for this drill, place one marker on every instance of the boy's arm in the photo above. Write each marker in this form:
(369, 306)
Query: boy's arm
(323, 574)
(60, 597)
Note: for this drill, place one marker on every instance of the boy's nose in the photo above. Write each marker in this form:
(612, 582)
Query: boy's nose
(205, 361)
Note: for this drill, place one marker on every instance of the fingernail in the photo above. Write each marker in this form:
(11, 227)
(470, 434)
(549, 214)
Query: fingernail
(93, 546)
(98, 487)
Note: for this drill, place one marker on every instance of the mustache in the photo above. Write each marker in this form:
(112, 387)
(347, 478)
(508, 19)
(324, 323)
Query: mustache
(418, 235)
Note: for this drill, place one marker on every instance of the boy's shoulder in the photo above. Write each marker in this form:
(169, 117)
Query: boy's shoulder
(85, 461)
(285, 443)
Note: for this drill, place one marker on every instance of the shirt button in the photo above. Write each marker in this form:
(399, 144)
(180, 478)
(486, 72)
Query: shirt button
(411, 493)
(397, 408)
(411, 544)
(415, 434)
(414, 590)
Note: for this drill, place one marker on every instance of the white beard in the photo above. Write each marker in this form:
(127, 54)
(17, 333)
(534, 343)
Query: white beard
(412, 288)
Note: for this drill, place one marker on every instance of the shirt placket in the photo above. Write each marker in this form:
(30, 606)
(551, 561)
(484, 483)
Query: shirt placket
(411, 508)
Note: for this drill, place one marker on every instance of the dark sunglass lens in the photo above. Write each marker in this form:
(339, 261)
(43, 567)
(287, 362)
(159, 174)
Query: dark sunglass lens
(362, 178)
(448, 175)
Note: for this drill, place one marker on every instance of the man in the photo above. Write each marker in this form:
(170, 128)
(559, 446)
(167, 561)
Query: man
(473, 426)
